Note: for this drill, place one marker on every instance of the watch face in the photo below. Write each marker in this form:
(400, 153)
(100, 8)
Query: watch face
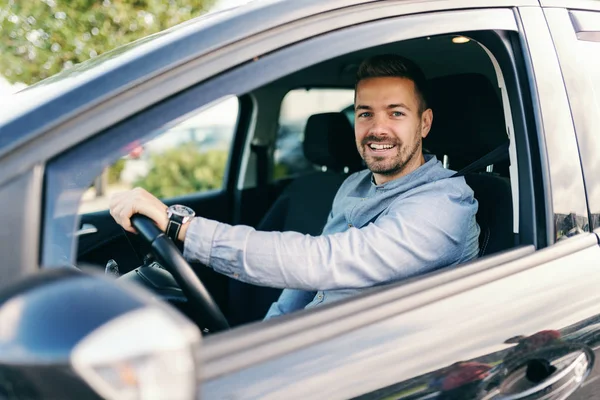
(182, 211)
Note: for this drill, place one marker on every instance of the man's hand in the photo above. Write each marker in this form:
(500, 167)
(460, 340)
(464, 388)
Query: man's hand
(137, 201)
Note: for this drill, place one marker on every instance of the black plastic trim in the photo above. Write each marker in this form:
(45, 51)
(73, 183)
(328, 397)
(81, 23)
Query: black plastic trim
(244, 122)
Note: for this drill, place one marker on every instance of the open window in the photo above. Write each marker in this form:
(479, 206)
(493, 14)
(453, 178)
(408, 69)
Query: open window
(472, 118)
(477, 101)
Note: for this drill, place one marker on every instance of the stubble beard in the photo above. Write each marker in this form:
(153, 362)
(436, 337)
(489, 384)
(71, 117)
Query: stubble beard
(390, 166)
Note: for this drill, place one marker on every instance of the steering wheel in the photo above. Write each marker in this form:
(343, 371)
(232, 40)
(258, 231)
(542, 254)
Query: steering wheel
(210, 316)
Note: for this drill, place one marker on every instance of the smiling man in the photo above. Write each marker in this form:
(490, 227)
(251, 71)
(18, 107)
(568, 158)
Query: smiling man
(403, 216)
(392, 117)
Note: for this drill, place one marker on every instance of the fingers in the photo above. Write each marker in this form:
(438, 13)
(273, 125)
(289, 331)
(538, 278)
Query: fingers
(137, 201)
(121, 210)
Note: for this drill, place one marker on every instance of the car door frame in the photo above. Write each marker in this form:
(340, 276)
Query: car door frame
(270, 69)
(246, 78)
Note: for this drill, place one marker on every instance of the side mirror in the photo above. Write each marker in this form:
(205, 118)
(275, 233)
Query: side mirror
(68, 334)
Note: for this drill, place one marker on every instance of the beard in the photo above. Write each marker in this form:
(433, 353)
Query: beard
(390, 165)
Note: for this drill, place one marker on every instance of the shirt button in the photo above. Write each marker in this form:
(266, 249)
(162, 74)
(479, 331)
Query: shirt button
(236, 275)
(350, 225)
(320, 296)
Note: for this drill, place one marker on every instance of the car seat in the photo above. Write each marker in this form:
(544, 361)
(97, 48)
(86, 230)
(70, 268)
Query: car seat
(305, 203)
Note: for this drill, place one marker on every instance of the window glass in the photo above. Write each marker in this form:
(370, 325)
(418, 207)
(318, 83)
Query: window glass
(580, 54)
(297, 106)
(590, 51)
(189, 156)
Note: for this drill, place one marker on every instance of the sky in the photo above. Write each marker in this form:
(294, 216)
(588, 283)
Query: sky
(6, 89)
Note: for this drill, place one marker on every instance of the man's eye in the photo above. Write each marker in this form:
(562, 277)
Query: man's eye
(397, 113)
(364, 115)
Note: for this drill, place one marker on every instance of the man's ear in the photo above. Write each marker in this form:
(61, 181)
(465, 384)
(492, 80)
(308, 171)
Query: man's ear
(426, 121)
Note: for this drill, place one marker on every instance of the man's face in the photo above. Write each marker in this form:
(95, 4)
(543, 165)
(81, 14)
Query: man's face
(388, 126)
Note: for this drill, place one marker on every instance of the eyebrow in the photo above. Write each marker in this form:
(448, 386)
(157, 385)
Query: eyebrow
(400, 105)
(389, 107)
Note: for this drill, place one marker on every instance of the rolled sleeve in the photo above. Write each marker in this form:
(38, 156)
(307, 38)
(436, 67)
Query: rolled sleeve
(198, 240)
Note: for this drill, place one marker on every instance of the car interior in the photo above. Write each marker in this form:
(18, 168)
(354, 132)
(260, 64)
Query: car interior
(469, 122)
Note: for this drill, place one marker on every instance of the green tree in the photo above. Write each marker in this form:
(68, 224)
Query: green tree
(41, 37)
(184, 170)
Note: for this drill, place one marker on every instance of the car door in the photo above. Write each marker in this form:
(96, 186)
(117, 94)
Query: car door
(519, 324)
(505, 311)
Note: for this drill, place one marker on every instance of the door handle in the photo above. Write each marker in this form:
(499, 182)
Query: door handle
(550, 374)
(86, 229)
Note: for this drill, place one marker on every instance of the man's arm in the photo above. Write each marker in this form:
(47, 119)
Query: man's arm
(412, 238)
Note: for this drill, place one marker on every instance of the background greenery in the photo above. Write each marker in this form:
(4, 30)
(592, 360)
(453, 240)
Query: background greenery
(183, 170)
(42, 37)
(39, 38)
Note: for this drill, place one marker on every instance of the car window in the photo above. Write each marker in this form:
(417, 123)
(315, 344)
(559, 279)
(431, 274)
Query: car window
(580, 57)
(187, 157)
(297, 106)
(590, 53)
(68, 176)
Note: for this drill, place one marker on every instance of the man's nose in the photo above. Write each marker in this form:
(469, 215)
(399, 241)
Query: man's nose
(378, 125)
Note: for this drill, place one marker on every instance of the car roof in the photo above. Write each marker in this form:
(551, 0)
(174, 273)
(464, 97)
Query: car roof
(60, 97)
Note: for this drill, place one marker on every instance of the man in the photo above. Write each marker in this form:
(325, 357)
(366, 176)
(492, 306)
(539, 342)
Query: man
(402, 217)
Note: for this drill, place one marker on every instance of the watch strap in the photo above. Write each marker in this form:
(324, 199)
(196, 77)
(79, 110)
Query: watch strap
(173, 229)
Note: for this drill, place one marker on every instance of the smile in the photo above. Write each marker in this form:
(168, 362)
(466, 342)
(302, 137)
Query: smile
(374, 146)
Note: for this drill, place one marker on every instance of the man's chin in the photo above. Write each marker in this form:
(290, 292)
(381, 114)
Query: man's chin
(384, 170)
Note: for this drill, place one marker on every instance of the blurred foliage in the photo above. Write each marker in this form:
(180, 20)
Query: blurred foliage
(43, 37)
(184, 170)
(114, 171)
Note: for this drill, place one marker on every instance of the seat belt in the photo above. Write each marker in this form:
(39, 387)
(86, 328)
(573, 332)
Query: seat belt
(500, 153)
(261, 150)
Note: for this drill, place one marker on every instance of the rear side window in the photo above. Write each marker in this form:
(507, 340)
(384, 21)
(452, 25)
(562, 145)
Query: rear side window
(297, 106)
(589, 49)
(583, 86)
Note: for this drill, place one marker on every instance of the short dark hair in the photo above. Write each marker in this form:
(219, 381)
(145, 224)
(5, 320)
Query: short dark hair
(393, 65)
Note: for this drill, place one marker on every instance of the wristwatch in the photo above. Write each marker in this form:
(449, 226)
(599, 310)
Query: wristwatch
(178, 216)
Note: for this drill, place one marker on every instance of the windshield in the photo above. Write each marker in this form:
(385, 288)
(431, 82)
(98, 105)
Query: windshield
(41, 92)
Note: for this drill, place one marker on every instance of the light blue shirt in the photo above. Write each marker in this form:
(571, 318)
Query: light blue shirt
(375, 234)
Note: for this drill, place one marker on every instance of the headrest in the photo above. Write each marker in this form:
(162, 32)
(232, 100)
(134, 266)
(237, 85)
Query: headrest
(468, 119)
(329, 141)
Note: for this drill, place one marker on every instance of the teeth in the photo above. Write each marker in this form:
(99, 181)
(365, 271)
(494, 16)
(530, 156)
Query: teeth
(381, 146)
